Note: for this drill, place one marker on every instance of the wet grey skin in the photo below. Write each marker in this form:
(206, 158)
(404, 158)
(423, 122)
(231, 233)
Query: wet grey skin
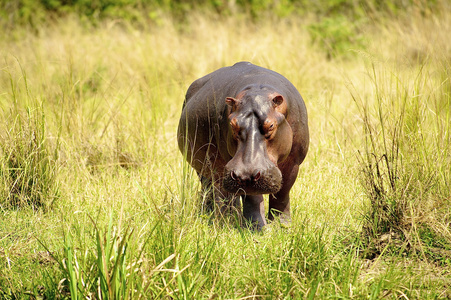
(244, 129)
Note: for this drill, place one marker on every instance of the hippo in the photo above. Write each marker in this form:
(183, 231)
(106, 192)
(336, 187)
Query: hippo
(244, 130)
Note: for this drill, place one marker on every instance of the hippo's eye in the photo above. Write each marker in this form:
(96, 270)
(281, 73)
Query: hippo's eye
(235, 127)
(269, 128)
(234, 124)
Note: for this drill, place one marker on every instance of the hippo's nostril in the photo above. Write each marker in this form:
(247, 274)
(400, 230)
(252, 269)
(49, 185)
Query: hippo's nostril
(233, 175)
(257, 176)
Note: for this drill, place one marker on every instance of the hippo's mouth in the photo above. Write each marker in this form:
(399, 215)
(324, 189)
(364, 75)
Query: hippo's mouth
(269, 182)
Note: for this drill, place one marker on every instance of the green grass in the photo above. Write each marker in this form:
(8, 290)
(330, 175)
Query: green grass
(97, 202)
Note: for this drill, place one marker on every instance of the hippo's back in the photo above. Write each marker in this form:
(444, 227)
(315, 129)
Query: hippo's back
(228, 81)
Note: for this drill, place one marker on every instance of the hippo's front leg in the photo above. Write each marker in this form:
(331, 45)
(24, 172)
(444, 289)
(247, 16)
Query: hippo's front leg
(279, 203)
(254, 210)
(216, 198)
(279, 206)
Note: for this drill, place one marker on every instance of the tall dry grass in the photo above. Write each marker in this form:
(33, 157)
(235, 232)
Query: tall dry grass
(103, 104)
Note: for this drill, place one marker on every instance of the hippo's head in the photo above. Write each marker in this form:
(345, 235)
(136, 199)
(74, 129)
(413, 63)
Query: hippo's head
(259, 138)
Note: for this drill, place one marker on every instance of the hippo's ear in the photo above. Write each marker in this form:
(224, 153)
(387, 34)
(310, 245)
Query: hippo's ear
(279, 104)
(277, 100)
(232, 103)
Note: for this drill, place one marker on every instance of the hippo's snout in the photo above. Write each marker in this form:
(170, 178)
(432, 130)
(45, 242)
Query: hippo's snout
(242, 177)
(251, 181)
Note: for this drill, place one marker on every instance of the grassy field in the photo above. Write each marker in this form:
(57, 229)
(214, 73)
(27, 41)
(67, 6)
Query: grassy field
(96, 202)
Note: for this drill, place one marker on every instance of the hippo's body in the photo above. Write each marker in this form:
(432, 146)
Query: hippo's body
(244, 130)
